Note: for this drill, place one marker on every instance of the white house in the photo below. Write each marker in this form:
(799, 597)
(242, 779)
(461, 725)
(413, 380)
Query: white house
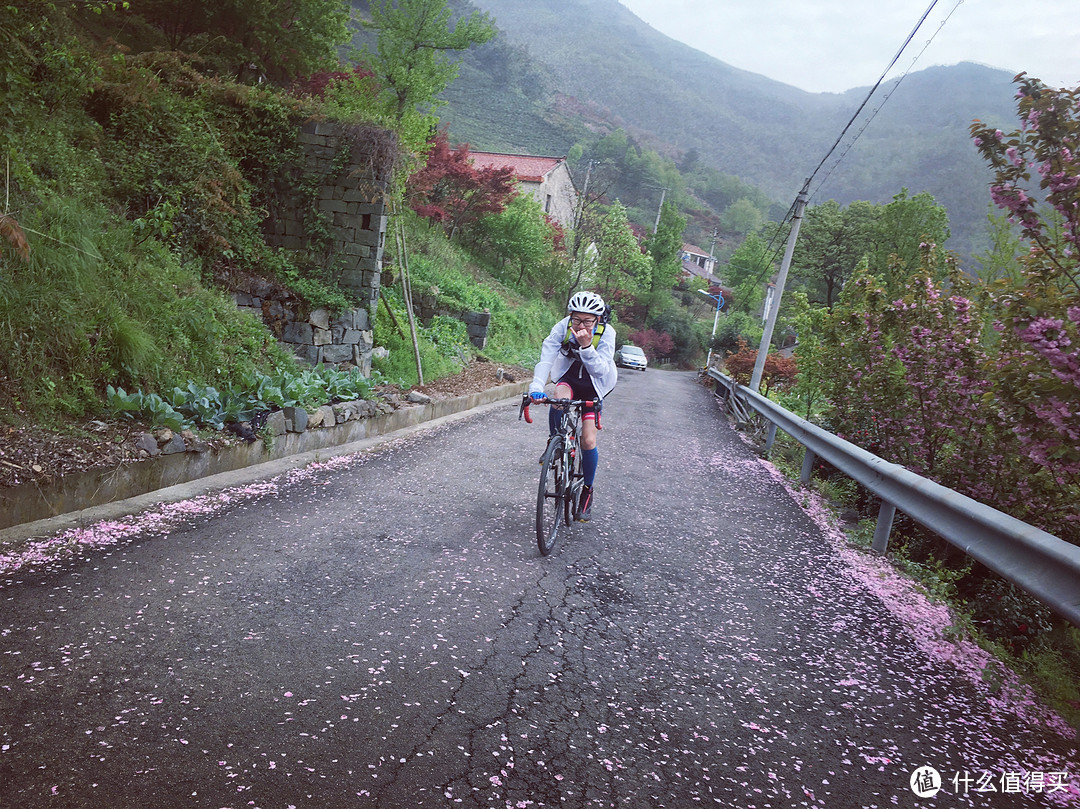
(696, 261)
(547, 179)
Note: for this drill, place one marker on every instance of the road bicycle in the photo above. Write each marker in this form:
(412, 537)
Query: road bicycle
(558, 497)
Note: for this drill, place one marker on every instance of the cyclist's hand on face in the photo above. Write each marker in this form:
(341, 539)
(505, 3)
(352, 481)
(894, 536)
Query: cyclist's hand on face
(583, 335)
(537, 396)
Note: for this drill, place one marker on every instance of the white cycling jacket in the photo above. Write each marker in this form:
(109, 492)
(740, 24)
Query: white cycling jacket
(599, 362)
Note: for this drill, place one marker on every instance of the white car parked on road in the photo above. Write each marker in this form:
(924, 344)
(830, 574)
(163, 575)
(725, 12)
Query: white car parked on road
(631, 357)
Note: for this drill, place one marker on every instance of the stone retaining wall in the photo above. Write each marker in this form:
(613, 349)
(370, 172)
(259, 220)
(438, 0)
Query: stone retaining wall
(315, 337)
(331, 211)
(477, 323)
(347, 210)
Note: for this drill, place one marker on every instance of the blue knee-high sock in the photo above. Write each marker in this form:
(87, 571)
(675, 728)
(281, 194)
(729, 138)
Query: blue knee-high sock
(553, 420)
(590, 459)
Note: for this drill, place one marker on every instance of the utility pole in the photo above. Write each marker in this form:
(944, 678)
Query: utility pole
(781, 279)
(716, 319)
(656, 226)
(712, 254)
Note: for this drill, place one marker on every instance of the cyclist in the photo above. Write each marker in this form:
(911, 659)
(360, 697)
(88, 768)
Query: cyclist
(579, 356)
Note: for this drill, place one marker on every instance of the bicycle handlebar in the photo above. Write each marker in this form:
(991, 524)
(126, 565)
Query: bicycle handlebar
(526, 400)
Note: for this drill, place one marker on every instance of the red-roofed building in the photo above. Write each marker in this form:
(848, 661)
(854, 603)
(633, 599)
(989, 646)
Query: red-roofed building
(547, 179)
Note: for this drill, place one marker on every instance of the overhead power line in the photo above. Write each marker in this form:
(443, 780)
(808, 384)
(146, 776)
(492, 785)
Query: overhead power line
(795, 211)
(806, 186)
(873, 89)
(888, 95)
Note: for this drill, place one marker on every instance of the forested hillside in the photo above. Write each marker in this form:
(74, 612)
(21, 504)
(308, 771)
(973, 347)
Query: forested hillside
(604, 68)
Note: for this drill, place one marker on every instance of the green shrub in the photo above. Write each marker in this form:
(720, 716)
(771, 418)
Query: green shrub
(454, 288)
(399, 368)
(450, 339)
(733, 327)
(1053, 665)
(92, 308)
(515, 334)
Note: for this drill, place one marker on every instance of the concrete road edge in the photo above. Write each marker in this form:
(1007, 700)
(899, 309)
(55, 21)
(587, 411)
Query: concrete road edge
(389, 428)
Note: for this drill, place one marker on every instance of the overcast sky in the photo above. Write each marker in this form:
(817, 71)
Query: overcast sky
(835, 45)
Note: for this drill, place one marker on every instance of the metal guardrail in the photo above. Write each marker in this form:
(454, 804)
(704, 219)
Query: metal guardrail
(1038, 562)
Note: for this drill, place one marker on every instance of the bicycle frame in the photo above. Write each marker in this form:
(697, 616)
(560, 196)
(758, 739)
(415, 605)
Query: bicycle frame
(561, 476)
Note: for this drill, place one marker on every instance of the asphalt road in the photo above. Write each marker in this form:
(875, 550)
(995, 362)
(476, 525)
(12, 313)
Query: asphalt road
(380, 631)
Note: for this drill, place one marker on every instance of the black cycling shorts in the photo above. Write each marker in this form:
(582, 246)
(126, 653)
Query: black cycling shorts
(581, 384)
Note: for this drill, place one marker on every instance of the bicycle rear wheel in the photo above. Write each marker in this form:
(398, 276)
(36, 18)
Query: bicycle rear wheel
(551, 497)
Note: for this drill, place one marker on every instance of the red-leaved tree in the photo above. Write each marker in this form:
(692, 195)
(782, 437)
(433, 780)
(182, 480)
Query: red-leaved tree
(450, 190)
(778, 372)
(655, 344)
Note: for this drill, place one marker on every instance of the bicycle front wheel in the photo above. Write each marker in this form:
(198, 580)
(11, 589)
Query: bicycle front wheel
(551, 497)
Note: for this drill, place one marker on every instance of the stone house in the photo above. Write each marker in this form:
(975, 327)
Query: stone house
(547, 179)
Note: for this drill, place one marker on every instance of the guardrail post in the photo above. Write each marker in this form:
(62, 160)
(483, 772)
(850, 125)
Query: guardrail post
(769, 439)
(808, 459)
(885, 515)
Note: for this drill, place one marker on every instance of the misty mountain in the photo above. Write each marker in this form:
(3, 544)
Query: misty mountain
(562, 70)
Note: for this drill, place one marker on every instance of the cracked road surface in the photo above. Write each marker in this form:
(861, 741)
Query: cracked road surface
(380, 631)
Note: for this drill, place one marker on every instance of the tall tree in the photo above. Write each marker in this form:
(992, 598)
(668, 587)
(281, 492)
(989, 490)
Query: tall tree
(817, 252)
(522, 235)
(665, 250)
(747, 273)
(742, 217)
(831, 244)
(412, 58)
(903, 228)
(665, 247)
(621, 267)
(1001, 258)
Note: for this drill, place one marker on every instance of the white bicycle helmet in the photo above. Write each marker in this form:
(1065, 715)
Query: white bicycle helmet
(588, 302)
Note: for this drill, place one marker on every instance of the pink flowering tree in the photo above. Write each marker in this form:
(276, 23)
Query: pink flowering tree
(1047, 144)
(906, 376)
(921, 381)
(1037, 315)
